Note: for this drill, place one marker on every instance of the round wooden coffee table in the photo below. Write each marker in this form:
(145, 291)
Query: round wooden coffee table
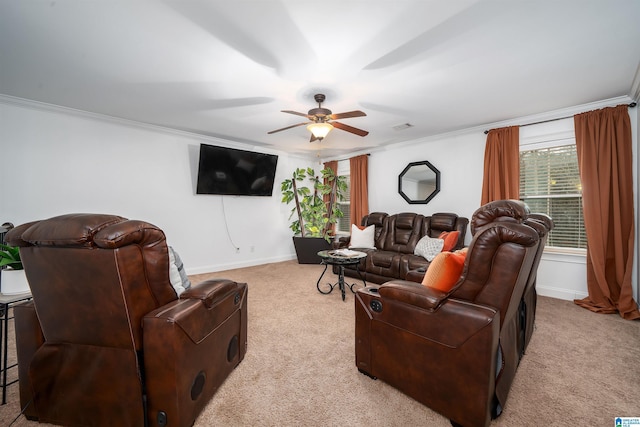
(340, 258)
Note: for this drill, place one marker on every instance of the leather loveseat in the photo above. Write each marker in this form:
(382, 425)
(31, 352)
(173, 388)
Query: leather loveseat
(106, 340)
(457, 352)
(395, 240)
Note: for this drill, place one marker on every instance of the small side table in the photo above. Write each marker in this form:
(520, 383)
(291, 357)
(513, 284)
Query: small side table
(6, 301)
(340, 257)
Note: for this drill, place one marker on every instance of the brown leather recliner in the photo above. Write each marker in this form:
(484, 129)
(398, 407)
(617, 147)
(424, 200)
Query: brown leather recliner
(106, 340)
(455, 352)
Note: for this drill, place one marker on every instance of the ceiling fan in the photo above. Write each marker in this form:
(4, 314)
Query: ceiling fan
(323, 120)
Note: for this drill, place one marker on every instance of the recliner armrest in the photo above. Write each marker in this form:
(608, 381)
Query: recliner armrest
(413, 293)
(452, 324)
(202, 307)
(210, 291)
(191, 345)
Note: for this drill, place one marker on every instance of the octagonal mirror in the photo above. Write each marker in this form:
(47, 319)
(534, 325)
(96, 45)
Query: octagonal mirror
(419, 182)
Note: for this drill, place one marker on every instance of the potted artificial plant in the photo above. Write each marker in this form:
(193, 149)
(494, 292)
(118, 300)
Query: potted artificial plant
(13, 279)
(314, 219)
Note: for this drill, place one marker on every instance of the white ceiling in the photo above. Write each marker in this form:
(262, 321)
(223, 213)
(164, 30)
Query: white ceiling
(227, 68)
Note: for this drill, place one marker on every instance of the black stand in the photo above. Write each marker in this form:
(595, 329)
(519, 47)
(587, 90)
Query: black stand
(5, 303)
(340, 283)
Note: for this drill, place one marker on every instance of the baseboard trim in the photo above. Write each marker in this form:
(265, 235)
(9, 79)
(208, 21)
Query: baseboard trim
(240, 264)
(560, 293)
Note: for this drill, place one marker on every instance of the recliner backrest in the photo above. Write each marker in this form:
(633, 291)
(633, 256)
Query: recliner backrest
(94, 277)
(499, 211)
(402, 232)
(502, 251)
(497, 266)
(377, 220)
(437, 223)
(543, 224)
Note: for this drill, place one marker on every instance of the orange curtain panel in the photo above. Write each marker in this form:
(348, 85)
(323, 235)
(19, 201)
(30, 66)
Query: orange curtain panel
(603, 143)
(501, 165)
(359, 194)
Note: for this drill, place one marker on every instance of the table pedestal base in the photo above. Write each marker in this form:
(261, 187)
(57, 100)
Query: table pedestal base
(340, 283)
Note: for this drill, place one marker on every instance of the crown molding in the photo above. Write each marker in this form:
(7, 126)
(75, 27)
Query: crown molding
(520, 121)
(525, 120)
(561, 113)
(52, 108)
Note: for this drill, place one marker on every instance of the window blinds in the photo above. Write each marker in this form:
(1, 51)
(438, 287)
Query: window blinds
(550, 183)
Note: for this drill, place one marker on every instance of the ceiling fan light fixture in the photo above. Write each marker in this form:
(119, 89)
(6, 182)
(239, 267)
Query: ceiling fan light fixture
(320, 130)
(320, 118)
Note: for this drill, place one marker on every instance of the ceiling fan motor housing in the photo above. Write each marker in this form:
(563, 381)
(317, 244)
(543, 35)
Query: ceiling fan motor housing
(319, 114)
(323, 115)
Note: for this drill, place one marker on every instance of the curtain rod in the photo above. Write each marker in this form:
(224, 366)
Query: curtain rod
(631, 105)
(348, 158)
(365, 154)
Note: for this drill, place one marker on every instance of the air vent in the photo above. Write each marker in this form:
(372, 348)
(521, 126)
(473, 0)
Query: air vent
(403, 126)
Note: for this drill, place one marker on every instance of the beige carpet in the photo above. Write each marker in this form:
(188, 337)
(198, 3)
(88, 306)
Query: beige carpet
(581, 368)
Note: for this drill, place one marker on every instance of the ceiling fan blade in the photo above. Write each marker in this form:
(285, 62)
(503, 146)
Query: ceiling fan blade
(351, 129)
(296, 113)
(348, 114)
(288, 127)
(313, 138)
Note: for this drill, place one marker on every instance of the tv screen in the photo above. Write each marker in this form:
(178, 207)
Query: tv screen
(235, 172)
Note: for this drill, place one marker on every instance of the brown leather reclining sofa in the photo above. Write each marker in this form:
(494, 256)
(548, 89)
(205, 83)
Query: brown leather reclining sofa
(395, 240)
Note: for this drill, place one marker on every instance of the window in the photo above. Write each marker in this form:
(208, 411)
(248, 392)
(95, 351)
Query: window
(344, 224)
(550, 183)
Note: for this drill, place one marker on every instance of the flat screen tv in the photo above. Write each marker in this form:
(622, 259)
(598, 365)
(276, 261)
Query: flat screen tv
(229, 171)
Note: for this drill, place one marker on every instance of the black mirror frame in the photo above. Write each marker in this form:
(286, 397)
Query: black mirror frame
(433, 193)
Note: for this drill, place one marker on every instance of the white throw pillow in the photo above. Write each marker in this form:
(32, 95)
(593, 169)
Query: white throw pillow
(429, 247)
(362, 238)
(177, 275)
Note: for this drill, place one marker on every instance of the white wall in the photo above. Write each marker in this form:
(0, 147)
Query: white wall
(459, 157)
(55, 161)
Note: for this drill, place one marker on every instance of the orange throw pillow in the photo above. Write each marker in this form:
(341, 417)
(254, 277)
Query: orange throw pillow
(450, 239)
(445, 270)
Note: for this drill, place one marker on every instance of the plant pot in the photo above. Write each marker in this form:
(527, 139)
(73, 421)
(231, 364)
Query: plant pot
(307, 249)
(13, 282)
